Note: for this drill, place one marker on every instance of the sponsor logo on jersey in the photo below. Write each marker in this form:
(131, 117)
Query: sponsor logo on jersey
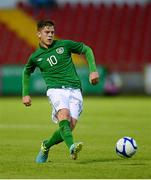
(39, 59)
(60, 50)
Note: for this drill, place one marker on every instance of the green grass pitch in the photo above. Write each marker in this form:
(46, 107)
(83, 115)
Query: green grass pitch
(104, 120)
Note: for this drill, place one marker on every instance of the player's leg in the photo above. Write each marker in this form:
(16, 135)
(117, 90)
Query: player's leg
(66, 124)
(72, 113)
(76, 147)
(59, 100)
(73, 123)
(64, 132)
(63, 117)
(75, 105)
(57, 137)
(67, 118)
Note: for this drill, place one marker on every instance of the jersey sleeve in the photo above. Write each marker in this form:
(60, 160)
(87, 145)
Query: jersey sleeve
(28, 69)
(87, 51)
(30, 66)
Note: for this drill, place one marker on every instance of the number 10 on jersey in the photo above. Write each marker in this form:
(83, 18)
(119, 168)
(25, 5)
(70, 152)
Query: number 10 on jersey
(52, 60)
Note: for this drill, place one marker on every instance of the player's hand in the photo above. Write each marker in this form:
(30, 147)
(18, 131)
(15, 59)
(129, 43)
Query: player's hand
(94, 77)
(26, 100)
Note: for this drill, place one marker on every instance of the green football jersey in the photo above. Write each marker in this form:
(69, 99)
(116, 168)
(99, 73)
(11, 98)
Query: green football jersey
(56, 64)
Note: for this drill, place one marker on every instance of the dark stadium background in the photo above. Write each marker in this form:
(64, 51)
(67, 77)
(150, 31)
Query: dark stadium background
(117, 30)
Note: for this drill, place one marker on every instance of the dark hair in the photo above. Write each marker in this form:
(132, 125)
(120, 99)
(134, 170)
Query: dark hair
(42, 23)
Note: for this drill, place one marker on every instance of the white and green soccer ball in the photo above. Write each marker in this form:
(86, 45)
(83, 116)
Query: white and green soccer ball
(126, 147)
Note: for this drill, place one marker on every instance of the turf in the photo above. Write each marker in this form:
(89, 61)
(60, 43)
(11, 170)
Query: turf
(103, 121)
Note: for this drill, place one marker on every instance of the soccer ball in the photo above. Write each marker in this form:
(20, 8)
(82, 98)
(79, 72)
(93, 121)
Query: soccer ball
(126, 147)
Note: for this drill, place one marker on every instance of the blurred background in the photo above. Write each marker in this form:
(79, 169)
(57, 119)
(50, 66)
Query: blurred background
(119, 32)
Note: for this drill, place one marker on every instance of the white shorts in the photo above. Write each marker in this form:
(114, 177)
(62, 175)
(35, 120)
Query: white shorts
(65, 98)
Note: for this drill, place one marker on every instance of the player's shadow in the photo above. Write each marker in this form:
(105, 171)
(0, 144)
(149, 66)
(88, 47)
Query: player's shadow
(134, 164)
(102, 160)
(99, 160)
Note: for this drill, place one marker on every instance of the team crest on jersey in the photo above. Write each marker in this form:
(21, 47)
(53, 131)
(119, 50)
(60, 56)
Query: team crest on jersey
(60, 50)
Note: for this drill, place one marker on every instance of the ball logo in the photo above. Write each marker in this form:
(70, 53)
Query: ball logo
(60, 50)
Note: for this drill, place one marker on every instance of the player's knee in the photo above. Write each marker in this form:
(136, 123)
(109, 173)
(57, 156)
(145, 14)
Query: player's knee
(63, 114)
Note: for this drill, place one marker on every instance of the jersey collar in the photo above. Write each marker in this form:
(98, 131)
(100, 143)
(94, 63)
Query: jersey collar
(41, 47)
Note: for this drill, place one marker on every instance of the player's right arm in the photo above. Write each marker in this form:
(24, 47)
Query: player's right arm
(29, 68)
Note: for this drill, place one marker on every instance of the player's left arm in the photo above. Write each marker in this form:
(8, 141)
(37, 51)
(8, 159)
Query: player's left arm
(81, 48)
(94, 75)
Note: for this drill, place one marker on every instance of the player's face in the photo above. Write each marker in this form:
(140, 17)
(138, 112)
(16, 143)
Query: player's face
(46, 36)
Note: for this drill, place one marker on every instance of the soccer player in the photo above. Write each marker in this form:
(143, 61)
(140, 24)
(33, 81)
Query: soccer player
(53, 58)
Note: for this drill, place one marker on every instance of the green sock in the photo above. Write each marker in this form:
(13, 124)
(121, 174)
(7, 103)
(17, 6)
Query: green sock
(55, 139)
(65, 132)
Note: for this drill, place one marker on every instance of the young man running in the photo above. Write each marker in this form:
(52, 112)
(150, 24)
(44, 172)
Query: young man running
(53, 58)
